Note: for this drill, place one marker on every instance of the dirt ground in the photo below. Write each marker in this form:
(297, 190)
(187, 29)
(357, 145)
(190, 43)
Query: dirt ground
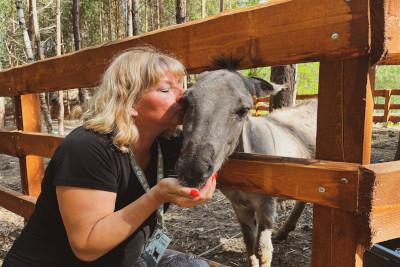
(211, 229)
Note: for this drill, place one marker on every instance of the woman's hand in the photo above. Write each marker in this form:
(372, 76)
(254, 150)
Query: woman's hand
(169, 190)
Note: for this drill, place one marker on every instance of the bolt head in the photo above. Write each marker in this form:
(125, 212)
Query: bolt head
(344, 181)
(335, 36)
(321, 189)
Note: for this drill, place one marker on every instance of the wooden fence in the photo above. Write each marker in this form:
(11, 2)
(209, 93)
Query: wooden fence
(355, 204)
(261, 105)
(387, 106)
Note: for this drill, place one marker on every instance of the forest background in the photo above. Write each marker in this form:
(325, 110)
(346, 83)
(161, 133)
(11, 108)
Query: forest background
(102, 21)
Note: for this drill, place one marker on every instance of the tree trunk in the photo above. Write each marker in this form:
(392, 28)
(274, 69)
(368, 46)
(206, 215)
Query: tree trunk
(158, 14)
(22, 24)
(77, 38)
(58, 52)
(30, 24)
(117, 29)
(36, 34)
(203, 8)
(101, 21)
(15, 61)
(180, 11)
(130, 18)
(151, 15)
(284, 75)
(221, 5)
(146, 18)
(75, 23)
(109, 21)
(44, 108)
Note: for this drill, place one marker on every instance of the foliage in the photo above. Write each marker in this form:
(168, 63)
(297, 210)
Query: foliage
(387, 77)
(12, 50)
(307, 77)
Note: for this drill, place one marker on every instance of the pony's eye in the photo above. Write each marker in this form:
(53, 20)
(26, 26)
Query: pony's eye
(242, 112)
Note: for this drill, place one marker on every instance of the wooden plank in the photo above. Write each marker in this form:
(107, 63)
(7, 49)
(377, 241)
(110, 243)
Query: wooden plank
(391, 55)
(263, 35)
(343, 134)
(31, 167)
(394, 118)
(346, 108)
(301, 179)
(386, 111)
(19, 144)
(16, 202)
(379, 212)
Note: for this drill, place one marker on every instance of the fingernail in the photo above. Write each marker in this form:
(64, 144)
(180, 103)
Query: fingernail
(214, 177)
(194, 193)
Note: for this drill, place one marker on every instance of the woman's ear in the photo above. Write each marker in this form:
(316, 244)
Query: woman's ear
(134, 112)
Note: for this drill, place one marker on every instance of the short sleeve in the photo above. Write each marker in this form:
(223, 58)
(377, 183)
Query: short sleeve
(84, 159)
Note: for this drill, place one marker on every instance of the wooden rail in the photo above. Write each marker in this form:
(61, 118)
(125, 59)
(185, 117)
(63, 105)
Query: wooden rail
(262, 105)
(387, 106)
(354, 205)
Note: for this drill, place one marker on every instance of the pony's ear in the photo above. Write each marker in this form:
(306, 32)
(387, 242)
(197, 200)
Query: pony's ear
(263, 88)
(260, 88)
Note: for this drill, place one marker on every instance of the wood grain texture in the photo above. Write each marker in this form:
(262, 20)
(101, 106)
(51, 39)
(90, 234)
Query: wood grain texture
(343, 134)
(28, 119)
(344, 111)
(19, 144)
(379, 202)
(263, 35)
(16, 202)
(391, 39)
(300, 179)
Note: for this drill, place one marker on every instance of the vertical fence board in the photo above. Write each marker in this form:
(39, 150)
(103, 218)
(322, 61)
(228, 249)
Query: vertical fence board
(28, 119)
(343, 134)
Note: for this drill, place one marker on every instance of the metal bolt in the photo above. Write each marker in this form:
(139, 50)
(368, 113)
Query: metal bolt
(344, 181)
(321, 189)
(335, 36)
(348, 0)
(376, 182)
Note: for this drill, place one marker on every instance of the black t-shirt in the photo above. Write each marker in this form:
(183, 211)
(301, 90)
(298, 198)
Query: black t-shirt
(88, 160)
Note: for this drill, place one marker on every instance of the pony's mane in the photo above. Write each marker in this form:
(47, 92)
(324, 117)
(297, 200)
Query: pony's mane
(229, 63)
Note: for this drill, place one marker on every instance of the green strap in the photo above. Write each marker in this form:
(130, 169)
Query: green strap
(143, 180)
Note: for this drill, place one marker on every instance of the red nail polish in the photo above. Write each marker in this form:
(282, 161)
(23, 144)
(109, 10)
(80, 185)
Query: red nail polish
(194, 193)
(214, 177)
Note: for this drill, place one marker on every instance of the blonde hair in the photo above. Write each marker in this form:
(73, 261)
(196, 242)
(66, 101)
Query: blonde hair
(130, 75)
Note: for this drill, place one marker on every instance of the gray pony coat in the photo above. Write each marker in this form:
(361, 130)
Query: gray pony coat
(217, 123)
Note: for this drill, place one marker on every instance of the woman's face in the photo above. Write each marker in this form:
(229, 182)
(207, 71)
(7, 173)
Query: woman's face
(159, 106)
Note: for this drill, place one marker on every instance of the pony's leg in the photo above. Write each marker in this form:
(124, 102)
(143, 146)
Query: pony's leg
(266, 213)
(291, 221)
(247, 221)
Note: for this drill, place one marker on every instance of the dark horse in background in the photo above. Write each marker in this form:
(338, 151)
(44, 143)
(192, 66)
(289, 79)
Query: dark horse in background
(217, 123)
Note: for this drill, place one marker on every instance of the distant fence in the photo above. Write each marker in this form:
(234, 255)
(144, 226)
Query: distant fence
(387, 106)
(261, 105)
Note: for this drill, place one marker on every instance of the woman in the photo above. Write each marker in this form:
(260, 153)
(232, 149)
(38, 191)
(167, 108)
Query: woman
(93, 210)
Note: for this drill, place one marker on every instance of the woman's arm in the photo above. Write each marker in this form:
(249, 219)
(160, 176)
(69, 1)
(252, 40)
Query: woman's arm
(92, 226)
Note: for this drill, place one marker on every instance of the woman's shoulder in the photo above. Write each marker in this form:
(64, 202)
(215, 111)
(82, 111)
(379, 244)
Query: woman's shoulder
(81, 139)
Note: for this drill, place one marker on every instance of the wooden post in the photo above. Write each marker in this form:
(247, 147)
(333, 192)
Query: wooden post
(386, 111)
(28, 119)
(344, 134)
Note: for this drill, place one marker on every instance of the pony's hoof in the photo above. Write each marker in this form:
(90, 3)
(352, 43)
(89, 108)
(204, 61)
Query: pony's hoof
(279, 236)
